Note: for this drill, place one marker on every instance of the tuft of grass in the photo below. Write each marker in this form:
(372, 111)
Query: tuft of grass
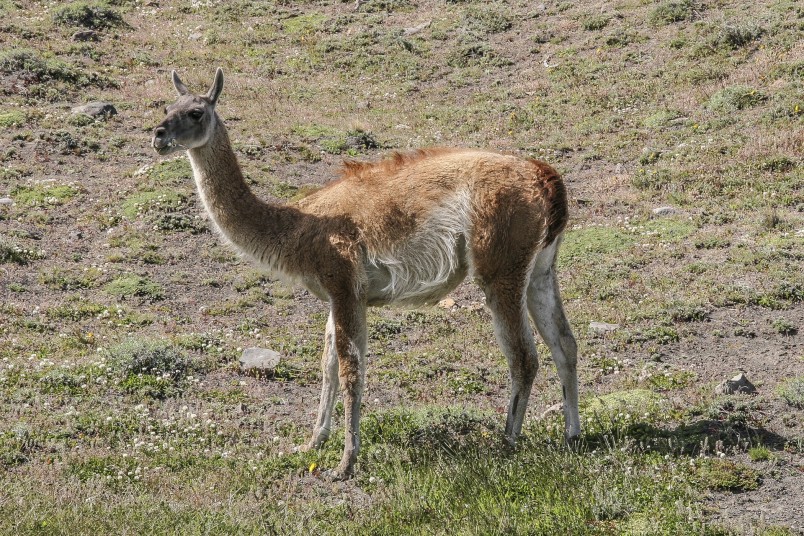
(473, 54)
(14, 118)
(670, 11)
(726, 475)
(735, 98)
(62, 279)
(783, 327)
(759, 454)
(596, 22)
(92, 15)
(31, 64)
(486, 20)
(735, 36)
(792, 391)
(304, 24)
(130, 285)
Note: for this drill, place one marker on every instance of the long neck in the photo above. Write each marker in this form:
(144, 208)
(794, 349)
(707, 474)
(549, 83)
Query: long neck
(251, 225)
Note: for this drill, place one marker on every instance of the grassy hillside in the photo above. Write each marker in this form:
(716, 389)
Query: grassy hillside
(122, 315)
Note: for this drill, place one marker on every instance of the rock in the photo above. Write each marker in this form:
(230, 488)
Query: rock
(86, 35)
(96, 109)
(6, 201)
(447, 303)
(602, 327)
(738, 384)
(259, 360)
(664, 211)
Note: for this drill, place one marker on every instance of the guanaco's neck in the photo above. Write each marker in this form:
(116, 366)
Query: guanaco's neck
(253, 226)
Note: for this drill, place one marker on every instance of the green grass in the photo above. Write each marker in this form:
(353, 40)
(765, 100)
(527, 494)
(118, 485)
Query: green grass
(130, 285)
(43, 195)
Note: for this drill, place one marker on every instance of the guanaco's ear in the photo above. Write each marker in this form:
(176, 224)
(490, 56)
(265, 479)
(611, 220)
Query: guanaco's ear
(217, 86)
(179, 85)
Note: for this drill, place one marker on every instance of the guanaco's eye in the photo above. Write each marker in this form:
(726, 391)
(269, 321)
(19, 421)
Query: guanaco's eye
(196, 114)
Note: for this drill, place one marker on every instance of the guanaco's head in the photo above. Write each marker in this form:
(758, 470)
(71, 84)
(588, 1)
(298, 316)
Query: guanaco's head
(190, 120)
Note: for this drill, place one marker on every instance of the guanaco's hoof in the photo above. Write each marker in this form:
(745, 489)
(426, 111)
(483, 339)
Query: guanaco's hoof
(337, 475)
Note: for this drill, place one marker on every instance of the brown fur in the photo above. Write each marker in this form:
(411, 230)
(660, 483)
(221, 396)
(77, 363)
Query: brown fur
(406, 229)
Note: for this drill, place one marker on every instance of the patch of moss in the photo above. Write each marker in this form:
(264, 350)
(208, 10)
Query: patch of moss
(133, 285)
(726, 475)
(41, 195)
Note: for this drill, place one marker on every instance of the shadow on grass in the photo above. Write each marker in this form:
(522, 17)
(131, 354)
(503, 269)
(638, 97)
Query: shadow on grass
(703, 436)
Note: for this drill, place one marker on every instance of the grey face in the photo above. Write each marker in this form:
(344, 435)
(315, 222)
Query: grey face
(190, 120)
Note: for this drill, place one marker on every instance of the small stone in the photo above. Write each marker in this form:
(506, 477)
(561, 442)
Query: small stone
(6, 201)
(195, 36)
(96, 109)
(259, 360)
(86, 35)
(447, 303)
(602, 327)
(664, 211)
(738, 384)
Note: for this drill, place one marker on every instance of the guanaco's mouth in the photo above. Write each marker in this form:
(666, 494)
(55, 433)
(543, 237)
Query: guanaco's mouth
(163, 146)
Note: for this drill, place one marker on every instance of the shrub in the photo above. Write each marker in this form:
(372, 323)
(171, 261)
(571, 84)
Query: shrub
(151, 368)
(87, 15)
(670, 11)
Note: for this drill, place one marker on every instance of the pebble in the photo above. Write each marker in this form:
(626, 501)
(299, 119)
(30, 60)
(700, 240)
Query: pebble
(602, 327)
(447, 303)
(259, 360)
(96, 109)
(6, 201)
(664, 211)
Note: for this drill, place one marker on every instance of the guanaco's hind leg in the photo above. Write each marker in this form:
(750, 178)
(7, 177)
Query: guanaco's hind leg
(547, 311)
(514, 335)
(350, 345)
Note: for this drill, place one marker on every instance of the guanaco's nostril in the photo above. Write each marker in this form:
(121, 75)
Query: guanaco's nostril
(159, 132)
